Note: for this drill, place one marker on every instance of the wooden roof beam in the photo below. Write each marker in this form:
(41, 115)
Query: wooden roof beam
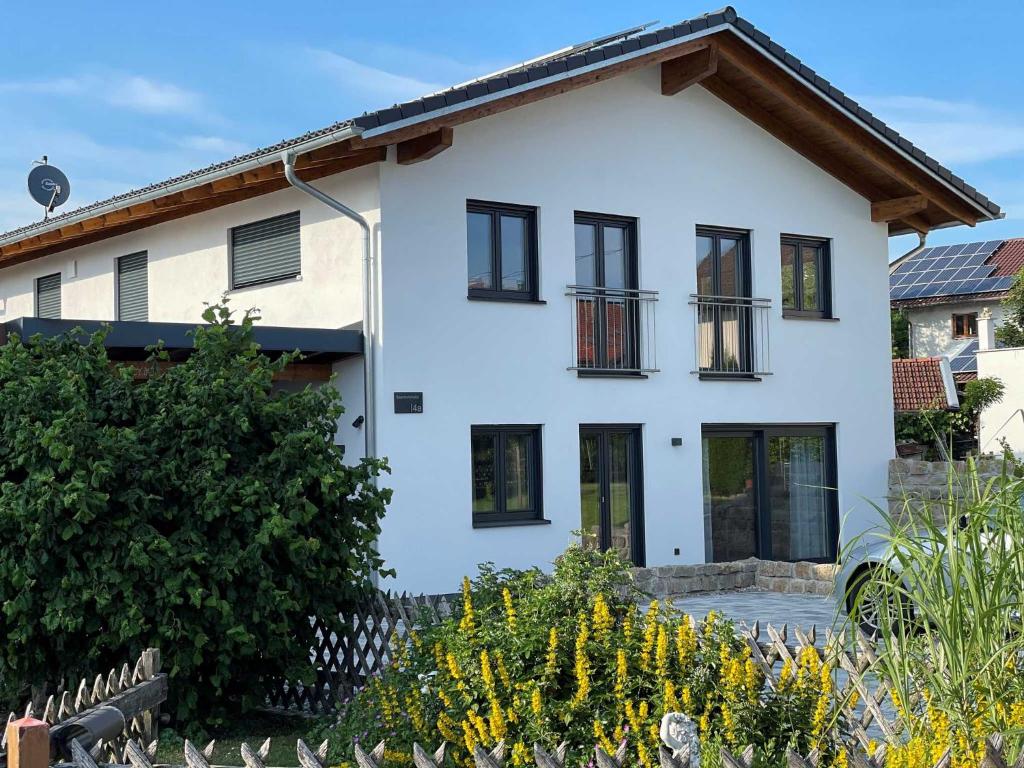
(680, 73)
(780, 83)
(897, 208)
(425, 147)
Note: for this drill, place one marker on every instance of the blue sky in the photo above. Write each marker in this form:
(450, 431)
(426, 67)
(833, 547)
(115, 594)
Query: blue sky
(121, 94)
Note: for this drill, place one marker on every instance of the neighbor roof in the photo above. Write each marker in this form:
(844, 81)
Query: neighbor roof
(888, 169)
(957, 273)
(922, 384)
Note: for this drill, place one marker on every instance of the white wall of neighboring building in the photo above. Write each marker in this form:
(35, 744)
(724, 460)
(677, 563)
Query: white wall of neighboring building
(931, 328)
(618, 147)
(188, 263)
(1004, 420)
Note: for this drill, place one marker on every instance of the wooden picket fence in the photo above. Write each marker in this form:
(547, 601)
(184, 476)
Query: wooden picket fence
(343, 661)
(136, 691)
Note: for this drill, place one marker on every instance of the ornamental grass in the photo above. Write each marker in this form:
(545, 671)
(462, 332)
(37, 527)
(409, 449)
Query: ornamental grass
(947, 602)
(533, 658)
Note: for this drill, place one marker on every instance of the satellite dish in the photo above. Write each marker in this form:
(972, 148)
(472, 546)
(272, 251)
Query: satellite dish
(48, 186)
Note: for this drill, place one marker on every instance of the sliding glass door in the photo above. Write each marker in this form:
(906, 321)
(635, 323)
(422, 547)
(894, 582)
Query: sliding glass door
(769, 492)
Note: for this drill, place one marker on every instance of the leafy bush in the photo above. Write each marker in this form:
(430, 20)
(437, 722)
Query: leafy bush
(1011, 332)
(531, 658)
(948, 600)
(199, 511)
(929, 427)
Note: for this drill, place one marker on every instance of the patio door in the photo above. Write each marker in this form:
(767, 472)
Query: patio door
(611, 482)
(769, 492)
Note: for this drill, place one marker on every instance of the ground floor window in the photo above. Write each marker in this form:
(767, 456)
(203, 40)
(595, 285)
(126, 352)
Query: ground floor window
(506, 467)
(769, 492)
(611, 489)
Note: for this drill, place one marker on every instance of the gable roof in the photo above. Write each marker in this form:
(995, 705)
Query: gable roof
(747, 69)
(951, 274)
(923, 384)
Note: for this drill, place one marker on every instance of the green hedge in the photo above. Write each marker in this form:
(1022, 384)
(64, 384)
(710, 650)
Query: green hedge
(199, 511)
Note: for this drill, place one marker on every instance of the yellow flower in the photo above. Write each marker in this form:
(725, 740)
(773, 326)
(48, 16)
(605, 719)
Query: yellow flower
(469, 736)
(486, 672)
(687, 700)
(669, 702)
(582, 664)
(453, 666)
(602, 619)
(650, 634)
(535, 702)
(506, 679)
(551, 667)
(467, 624)
(602, 738)
(510, 609)
(661, 652)
(686, 642)
(521, 755)
(621, 675)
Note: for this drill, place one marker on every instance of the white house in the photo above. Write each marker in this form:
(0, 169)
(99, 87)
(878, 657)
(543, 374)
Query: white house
(943, 291)
(1001, 425)
(637, 287)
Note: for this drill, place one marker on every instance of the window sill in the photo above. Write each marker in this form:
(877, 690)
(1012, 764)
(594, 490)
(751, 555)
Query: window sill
(509, 523)
(610, 375)
(790, 315)
(507, 299)
(266, 284)
(727, 377)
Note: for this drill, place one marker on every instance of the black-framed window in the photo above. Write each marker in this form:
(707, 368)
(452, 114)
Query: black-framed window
(965, 326)
(48, 296)
(501, 251)
(806, 277)
(506, 474)
(266, 251)
(770, 492)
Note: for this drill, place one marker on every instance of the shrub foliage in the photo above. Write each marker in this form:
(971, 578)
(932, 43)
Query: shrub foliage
(200, 511)
(537, 659)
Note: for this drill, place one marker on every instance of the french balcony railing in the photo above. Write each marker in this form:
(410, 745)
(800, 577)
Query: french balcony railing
(613, 330)
(730, 336)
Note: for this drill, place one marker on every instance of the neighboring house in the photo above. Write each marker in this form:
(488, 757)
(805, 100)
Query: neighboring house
(635, 288)
(923, 384)
(1001, 424)
(944, 289)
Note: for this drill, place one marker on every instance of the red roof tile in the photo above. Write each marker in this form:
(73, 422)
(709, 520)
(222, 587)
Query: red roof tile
(917, 384)
(1009, 258)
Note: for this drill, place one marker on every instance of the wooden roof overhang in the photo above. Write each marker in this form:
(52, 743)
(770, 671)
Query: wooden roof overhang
(904, 192)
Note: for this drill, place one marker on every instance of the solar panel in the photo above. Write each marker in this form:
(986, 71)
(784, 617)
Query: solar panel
(949, 270)
(965, 359)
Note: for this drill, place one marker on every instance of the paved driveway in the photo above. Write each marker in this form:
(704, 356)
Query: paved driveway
(747, 606)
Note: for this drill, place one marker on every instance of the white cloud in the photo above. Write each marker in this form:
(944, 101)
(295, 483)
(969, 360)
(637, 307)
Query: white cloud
(951, 131)
(369, 80)
(118, 89)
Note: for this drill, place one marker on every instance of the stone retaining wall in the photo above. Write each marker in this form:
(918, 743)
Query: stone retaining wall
(790, 578)
(920, 482)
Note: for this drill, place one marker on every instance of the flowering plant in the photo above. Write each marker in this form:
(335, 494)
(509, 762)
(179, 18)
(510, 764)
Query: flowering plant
(530, 658)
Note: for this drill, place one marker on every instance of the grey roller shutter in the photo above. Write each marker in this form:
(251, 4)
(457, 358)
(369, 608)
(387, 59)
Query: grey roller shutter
(133, 287)
(48, 297)
(265, 250)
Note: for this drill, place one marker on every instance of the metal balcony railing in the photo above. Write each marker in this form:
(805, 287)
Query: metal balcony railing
(730, 336)
(613, 330)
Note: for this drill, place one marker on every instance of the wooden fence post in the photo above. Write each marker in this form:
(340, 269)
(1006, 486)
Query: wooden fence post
(28, 743)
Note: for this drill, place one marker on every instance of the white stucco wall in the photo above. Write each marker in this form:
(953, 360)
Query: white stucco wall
(619, 147)
(931, 328)
(188, 263)
(1005, 420)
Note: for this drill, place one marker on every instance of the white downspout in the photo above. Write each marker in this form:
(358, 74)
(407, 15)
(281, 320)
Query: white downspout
(369, 336)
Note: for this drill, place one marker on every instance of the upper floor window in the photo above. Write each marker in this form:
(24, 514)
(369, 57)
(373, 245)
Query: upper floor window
(133, 287)
(806, 277)
(265, 251)
(506, 471)
(965, 326)
(48, 296)
(502, 251)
